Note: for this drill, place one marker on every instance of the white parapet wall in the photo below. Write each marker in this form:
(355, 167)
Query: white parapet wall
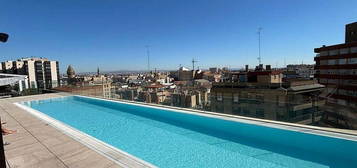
(10, 79)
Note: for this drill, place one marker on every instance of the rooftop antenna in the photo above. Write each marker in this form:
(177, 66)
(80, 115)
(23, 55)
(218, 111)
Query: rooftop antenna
(193, 70)
(193, 64)
(148, 55)
(259, 34)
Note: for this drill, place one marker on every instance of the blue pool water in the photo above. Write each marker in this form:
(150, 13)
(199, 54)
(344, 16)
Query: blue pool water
(172, 139)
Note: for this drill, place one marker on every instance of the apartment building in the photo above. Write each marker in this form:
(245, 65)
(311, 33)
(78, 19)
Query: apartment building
(42, 73)
(7, 67)
(185, 74)
(153, 93)
(185, 100)
(336, 67)
(214, 70)
(305, 71)
(263, 94)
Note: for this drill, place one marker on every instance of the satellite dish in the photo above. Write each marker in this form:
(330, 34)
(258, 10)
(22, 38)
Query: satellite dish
(4, 37)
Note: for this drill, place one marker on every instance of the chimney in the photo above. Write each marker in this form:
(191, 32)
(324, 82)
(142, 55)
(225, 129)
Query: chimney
(246, 68)
(268, 67)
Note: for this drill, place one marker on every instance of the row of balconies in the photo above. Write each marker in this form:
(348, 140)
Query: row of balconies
(337, 72)
(346, 82)
(337, 52)
(341, 61)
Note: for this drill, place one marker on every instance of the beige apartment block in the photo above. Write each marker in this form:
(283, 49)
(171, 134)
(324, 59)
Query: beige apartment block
(42, 73)
(7, 66)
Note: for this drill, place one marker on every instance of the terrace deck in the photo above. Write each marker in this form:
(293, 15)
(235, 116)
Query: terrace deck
(38, 144)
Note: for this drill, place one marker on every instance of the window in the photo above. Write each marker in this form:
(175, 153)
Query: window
(245, 111)
(344, 51)
(323, 71)
(350, 92)
(332, 62)
(352, 61)
(330, 90)
(333, 52)
(342, 92)
(244, 95)
(235, 98)
(219, 97)
(342, 61)
(324, 53)
(260, 98)
(281, 101)
(250, 96)
(236, 110)
(333, 71)
(350, 82)
(260, 113)
(353, 71)
(354, 50)
(323, 62)
(332, 81)
(345, 71)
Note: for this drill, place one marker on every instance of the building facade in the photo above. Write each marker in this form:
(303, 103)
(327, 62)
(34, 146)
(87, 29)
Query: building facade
(264, 94)
(185, 74)
(7, 67)
(336, 67)
(305, 71)
(183, 100)
(42, 73)
(293, 103)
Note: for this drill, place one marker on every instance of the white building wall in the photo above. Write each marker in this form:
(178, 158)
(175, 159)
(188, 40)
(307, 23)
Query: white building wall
(54, 74)
(31, 74)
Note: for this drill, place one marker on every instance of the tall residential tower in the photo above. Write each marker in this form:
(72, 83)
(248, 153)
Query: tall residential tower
(336, 67)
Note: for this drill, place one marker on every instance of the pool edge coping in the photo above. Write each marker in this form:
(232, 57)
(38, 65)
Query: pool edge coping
(91, 142)
(247, 120)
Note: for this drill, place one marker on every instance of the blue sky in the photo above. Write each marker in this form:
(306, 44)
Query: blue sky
(112, 34)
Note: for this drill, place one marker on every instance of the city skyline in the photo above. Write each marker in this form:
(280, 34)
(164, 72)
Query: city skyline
(178, 83)
(113, 35)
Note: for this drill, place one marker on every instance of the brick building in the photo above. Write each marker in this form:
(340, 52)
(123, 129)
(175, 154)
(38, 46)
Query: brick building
(336, 68)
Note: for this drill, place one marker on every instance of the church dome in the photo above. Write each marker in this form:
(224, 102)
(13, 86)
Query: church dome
(70, 72)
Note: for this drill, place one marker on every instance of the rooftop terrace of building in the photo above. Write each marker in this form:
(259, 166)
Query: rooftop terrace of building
(334, 47)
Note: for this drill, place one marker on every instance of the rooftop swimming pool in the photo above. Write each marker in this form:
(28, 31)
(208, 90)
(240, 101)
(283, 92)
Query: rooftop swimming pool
(171, 138)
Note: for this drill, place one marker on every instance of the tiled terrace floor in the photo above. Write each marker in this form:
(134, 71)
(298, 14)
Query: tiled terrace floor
(37, 144)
